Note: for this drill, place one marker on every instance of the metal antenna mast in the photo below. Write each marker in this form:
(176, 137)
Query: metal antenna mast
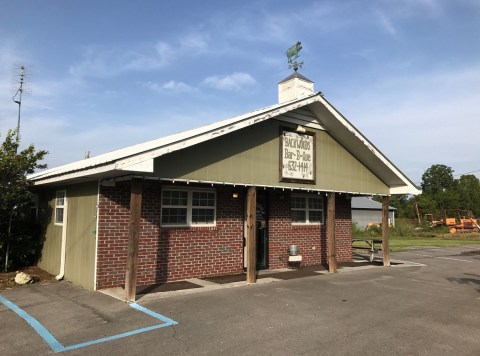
(17, 98)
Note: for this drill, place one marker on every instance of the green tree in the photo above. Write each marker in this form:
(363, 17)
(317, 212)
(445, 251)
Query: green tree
(439, 188)
(15, 195)
(468, 192)
(404, 204)
(437, 179)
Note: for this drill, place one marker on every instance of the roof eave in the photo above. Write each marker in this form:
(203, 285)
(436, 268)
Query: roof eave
(131, 158)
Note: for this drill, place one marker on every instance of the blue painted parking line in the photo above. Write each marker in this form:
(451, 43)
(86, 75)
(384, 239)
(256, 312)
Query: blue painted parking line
(56, 346)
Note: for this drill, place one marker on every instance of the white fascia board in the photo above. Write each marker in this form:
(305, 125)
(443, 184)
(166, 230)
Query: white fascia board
(131, 156)
(217, 132)
(409, 187)
(146, 166)
(73, 175)
(405, 190)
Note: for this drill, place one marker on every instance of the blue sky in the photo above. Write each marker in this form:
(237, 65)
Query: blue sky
(103, 75)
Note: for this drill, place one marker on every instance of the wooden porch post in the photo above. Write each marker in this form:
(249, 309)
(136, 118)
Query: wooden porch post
(332, 259)
(251, 235)
(133, 238)
(385, 231)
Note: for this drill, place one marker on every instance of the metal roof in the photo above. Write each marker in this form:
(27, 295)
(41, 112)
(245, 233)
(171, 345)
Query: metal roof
(365, 203)
(139, 158)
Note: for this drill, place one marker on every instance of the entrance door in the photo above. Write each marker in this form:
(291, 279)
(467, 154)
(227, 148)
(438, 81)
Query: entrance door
(262, 230)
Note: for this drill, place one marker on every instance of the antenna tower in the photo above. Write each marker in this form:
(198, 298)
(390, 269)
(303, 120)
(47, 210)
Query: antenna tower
(17, 98)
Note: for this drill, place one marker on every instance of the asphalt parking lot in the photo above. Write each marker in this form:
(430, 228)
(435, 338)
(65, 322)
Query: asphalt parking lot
(428, 307)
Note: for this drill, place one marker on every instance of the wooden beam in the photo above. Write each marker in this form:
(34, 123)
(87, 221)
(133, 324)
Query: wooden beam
(332, 258)
(133, 239)
(251, 235)
(385, 231)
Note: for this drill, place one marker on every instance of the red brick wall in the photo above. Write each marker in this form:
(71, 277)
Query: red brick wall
(206, 251)
(114, 203)
(311, 240)
(167, 254)
(343, 228)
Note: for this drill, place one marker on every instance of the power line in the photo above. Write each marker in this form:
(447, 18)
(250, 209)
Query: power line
(454, 175)
(462, 174)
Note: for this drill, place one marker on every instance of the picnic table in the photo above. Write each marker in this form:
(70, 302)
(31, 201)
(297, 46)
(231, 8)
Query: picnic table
(370, 245)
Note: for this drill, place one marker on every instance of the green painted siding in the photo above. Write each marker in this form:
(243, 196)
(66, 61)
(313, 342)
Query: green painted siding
(50, 257)
(81, 234)
(252, 156)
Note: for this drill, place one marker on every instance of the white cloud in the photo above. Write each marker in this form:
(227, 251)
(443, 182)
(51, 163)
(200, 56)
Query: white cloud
(171, 86)
(234, 81)
(104, 61)
(195, 43)
(386, 23)
(413, 8)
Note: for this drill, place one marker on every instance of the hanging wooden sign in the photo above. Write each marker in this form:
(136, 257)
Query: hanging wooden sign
(297, 156)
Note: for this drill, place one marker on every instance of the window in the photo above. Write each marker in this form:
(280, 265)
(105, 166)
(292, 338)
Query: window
(59, 207)
(186, 207)
(307, 209)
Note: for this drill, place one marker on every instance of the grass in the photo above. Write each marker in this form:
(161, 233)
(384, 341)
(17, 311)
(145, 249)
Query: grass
(416, 242)
(406, 235)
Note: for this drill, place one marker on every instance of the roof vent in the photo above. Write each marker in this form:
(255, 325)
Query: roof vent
(295, 86)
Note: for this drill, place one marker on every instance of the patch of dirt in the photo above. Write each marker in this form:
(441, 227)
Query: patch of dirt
(7, 280)
(474, 235)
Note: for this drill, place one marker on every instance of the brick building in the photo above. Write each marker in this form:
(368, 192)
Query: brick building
(216, 200)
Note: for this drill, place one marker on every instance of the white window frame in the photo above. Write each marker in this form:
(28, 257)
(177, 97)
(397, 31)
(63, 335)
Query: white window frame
(60, 206)
(190, 207)
(308, 209)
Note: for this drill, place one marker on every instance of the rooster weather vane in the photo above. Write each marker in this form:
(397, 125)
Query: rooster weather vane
(292, 54)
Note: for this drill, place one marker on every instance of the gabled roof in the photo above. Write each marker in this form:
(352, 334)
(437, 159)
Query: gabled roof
(139, 158)
(364, 203)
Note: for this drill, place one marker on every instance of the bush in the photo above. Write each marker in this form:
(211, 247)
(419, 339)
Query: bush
(356, 231)
(403, 228)
(25, 245)
(372, 231)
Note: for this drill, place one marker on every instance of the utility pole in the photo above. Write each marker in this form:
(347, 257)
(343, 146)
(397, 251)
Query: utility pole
(17, 98)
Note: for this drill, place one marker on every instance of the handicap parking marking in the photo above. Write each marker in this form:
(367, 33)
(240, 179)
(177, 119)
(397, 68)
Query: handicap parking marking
(56, 346)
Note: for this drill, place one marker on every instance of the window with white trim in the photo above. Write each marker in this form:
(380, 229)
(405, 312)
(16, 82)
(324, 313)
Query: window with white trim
(59, 206)
(188, 207)
(306, 209)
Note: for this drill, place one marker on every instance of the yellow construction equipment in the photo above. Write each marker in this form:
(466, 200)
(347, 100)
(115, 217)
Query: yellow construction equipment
(461, 221)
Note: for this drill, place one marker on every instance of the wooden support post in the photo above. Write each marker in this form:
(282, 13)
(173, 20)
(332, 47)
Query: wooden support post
(133, 239)
(385, 231)
(251, 235)
(332, 259)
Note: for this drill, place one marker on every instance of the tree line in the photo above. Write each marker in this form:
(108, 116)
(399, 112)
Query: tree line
(441, 191)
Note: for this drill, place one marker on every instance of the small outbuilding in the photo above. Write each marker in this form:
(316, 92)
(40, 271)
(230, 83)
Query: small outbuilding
(217, 200)
(367, 211)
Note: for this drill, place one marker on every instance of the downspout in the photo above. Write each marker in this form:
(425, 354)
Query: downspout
(96, 237)
(63, 251)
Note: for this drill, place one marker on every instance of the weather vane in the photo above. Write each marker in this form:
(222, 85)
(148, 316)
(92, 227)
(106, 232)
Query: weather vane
(292, 54)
